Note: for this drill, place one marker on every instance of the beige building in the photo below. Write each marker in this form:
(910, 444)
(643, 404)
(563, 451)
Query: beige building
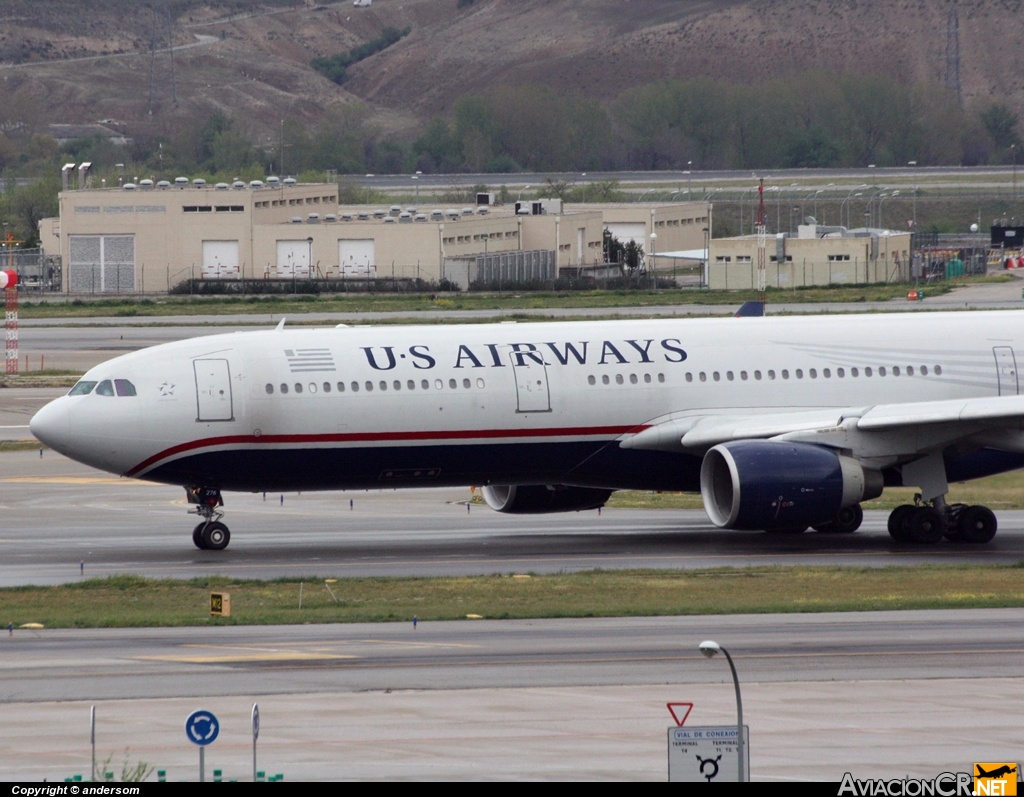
(816, 256)
(148, 238)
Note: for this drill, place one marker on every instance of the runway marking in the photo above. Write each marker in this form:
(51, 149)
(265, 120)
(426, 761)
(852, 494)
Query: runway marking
(241, 658)
(335, 643)
(579, 659)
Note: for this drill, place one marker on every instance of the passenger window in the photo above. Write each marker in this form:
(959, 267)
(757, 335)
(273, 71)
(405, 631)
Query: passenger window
(82, 388)
(284, 388)
(124, 387)
(105, 388)
(270, 389)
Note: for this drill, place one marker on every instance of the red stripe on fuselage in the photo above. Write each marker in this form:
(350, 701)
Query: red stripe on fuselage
(380, 437)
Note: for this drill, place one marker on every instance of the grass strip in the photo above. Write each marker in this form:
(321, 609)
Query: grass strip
(391, 302)
(132, 601)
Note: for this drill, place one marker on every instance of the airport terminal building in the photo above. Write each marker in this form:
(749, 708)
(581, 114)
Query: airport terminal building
(816, 255)
(147, 238)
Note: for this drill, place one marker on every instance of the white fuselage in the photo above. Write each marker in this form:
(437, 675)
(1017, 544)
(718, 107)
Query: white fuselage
(530, 403)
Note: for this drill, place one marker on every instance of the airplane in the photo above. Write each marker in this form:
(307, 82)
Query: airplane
(995, 773)
(781, 423)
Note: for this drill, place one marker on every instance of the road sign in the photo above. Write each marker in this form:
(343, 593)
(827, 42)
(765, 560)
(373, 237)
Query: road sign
(202, 728)
(679, 712)
(708, 754)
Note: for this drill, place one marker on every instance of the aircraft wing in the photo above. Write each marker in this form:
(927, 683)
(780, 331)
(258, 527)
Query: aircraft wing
(883, 431)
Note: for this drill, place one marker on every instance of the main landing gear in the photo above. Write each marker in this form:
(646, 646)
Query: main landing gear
(928, 522)
(210, 534)
(930, 518)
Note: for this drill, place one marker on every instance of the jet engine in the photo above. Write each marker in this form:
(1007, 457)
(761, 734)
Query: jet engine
(758, 484)
(543, 498)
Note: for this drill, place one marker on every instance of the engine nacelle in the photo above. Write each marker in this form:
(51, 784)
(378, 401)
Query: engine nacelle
(540, 499)
(758, 484)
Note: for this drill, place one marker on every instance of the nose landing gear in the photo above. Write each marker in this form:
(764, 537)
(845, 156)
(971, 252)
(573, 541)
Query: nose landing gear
(210, 534)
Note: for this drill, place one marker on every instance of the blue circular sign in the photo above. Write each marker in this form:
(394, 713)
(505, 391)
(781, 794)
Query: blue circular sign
(202, 727)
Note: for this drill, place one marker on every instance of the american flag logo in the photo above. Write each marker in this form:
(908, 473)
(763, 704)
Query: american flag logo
(305, 360)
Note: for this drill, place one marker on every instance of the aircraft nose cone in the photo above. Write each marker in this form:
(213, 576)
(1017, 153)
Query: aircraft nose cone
(51, 425)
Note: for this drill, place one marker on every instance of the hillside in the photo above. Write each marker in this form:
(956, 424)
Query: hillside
(88, 61)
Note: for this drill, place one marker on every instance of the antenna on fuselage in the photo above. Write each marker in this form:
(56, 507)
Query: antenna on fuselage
(280, 325)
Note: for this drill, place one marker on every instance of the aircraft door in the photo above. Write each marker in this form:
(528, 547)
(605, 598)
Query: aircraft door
(532, 392)
(1006, 371)
(213, 390)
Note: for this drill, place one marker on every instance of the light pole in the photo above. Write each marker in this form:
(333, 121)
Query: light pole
(705, 271)
(880, 201)
(689, 181)
(1013, 154)
(518, 198)
(654, 241)
(848, 196)
(709, 649)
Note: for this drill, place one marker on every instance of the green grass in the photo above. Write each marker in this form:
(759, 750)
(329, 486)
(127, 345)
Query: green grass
(416, 303)
(131, 601)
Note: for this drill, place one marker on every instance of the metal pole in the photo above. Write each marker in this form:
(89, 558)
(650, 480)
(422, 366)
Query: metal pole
(739, 715)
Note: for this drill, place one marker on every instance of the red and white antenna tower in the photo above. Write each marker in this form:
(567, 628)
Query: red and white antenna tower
(761, 229)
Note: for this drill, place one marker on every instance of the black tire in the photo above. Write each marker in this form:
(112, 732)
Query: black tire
(977, 525)
(926, 526)
(197, 536)
(847, 520)
(898, 522)
(216, 536)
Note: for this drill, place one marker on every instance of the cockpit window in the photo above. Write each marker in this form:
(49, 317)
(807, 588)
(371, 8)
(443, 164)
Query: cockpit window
(105, 388)
(82, 388)
(124, 387)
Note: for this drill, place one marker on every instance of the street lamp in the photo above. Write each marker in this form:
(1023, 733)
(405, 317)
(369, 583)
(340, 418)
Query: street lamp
(848, 197)
(882, 199)
(709, 649)
(518, 198)
(654, 241)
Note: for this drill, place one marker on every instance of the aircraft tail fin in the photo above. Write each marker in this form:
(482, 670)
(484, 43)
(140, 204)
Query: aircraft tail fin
(750, 310)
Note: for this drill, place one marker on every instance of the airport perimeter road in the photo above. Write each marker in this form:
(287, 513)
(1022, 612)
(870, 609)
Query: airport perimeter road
(875, 694)
(59, 516)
